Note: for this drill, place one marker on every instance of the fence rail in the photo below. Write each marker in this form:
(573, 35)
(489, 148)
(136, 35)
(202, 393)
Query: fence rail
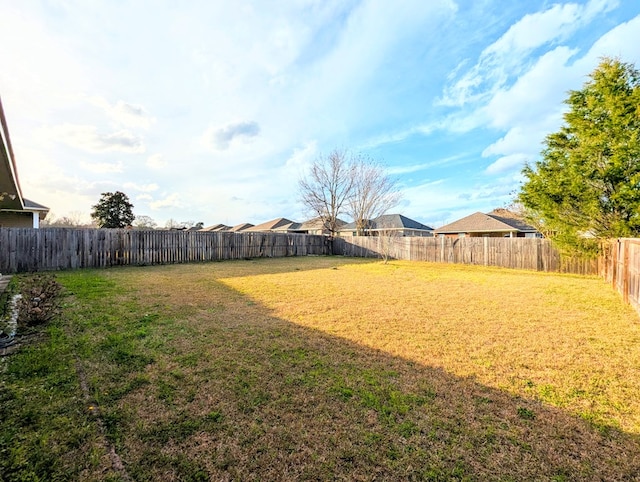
(519, 253)
(26, 249)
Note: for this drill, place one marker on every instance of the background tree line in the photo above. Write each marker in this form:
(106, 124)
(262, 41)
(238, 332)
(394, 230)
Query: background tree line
(114, 210)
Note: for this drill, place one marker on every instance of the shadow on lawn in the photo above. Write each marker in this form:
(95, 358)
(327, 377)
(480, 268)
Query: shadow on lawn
(253, 266)
(235, 393)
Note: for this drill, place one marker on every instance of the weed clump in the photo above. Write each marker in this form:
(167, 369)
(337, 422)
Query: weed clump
(40, 301)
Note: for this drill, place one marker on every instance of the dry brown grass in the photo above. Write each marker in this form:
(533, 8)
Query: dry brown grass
(339, 369)
(567, 340)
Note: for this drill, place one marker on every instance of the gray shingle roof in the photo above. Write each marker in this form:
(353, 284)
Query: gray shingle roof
(391, 221)
(479, 222)
(271, 225)
(29, 204)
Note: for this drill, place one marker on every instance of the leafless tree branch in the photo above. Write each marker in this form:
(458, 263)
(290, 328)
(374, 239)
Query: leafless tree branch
(374, 193)
(327, 187)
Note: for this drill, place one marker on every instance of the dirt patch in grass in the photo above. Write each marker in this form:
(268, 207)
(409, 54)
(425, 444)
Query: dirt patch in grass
(330, 368)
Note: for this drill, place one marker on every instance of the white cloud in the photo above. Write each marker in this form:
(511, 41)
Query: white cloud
(533, 106)
(124, 114)
(169, 201)
(141, 187)
(557, 22)
(411, 168)
(401, 135)
(302, 158)
(156, 161)
(219, 138)
(509, 55)
(521, 139)
(446, 199)
(102, 167)
(621, 41)
(44, 72)
(508, 163)
(535, 94)
(88, 138)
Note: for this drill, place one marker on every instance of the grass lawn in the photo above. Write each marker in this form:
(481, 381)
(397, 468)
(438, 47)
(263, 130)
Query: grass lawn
(326, 368)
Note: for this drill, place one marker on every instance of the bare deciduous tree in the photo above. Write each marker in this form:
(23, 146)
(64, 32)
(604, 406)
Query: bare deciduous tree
(172, 224)
(372, 193)
(388, 238)
(356, 185)
(144, 222)
(74, 219)
(327, 187)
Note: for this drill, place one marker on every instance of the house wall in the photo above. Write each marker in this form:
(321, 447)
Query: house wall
(418, 232)
(16, 220)
(394, 232)
(500, 234)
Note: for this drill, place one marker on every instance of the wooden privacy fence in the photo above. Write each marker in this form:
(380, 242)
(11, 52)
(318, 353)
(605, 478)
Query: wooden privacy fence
(26, 249)
(622, 268)
(519, 253)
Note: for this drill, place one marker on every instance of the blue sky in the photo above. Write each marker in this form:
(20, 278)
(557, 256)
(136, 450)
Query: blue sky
(211, 111)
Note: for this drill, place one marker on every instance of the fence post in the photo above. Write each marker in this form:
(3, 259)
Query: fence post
(625, 272)
(615, 249)
(486, 250)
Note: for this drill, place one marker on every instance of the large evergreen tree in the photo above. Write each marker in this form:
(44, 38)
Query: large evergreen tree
(113, 210)
(586, 186)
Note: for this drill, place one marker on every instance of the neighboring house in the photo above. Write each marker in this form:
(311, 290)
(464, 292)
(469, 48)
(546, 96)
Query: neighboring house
(216, 227)
(15, 210)
(278, 225)
(389, 224)
(316, 226)
(241, 227)
(496, 224)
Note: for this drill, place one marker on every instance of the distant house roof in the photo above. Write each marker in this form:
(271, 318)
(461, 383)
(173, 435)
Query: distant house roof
(278, 224)
(217, 227)
(317, 223)
(289, 228)
(486, 223)
(241, 227)
(390, 221)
